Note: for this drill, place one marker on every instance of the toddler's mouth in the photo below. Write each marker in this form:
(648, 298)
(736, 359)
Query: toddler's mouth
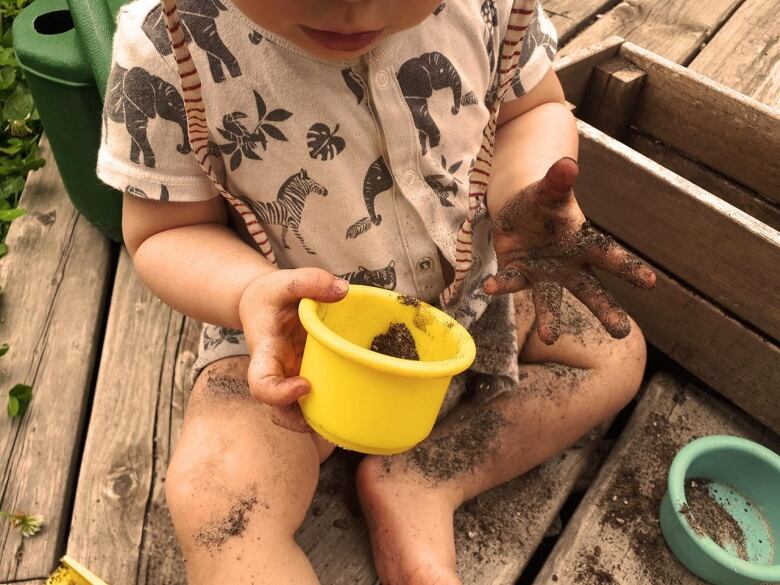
(336, 41)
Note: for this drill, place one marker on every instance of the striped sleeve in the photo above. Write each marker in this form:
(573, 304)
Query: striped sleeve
(537, 52)
(145, 150)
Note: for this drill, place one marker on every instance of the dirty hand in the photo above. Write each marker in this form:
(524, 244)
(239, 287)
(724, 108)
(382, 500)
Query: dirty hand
(543, 242)
(269, 314)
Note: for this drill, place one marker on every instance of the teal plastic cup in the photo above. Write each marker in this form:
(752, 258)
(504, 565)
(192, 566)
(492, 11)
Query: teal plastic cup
(744, 477)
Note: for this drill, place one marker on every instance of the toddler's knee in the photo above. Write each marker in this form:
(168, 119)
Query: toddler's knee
(625, 365)
(200, 468)
(181, 484)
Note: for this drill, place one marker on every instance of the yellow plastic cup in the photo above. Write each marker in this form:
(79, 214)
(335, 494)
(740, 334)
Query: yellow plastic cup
(369, 402)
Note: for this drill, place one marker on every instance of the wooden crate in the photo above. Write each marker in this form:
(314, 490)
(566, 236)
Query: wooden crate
(686, 173)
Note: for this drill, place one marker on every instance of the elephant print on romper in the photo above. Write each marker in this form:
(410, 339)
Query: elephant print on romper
(437, 182)
(534, 37)
(419, 77)
(198, 19)
(241, 142)
(377, 180)
(379, 278)
(287, 210)
(135, 96)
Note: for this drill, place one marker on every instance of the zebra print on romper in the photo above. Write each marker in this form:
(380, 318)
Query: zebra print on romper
(198, 134)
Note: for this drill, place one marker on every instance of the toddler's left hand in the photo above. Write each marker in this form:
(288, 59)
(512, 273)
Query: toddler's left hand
(543, 241)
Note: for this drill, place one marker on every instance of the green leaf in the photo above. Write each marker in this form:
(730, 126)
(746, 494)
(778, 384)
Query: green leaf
(28, 163)
(11, 186)
(4, 347)
(7, 39)
(7, 77)
(11, 214)
(13, 406)
(19, 106)
(3, 249)
(19, 398)
(15, 146)
(21, 391)
(7, 57)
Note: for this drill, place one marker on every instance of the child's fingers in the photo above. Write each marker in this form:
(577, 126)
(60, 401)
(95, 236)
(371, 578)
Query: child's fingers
(278, 390)
(290, 417)
(547, 298)
(311, 283)
(624, 264)
(586, 287)
(267, 377)
(506, 280)
(556, 186)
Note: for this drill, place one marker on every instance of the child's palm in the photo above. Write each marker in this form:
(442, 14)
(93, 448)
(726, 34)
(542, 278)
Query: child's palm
(543, 242)
(276, 338)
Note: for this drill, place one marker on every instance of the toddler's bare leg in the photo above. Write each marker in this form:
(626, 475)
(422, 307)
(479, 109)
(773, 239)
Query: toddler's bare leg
(566, 390)
(239, 486)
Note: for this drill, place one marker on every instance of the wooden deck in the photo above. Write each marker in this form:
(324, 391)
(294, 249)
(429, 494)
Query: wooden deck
(110, 364)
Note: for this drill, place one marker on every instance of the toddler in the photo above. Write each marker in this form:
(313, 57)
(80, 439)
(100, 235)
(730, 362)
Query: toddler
(271, 150)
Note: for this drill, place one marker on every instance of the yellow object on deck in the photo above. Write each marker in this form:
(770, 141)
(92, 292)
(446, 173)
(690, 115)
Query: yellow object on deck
(367, 401)
(71, 572)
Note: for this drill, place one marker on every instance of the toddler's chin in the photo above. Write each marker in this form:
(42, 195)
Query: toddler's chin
(303, 41)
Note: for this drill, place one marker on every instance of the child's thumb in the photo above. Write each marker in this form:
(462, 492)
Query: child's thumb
(314, 283)
(559, 181)
(268, 384)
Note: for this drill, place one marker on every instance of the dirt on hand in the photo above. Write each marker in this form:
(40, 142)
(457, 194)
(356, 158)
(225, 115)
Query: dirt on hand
(397, 342)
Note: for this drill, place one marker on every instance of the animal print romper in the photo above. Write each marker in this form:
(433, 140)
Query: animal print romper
(366, 168)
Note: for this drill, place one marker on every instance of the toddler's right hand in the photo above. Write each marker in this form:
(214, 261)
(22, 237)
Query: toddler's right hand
(269, 314)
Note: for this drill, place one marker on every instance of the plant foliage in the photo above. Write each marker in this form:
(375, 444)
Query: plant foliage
(20, 126)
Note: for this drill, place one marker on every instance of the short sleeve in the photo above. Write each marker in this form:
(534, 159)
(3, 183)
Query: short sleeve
(144, 148)
(537, 53)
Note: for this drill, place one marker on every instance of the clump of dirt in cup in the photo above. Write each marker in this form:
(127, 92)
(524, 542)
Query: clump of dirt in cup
(708, 517)
(409, 301)
(397, 342)
(214, 534)
(422, 317)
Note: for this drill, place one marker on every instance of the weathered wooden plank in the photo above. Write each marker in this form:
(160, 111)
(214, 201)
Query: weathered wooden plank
(612, 92)
(727, 131)
(574, 70)
(569, 16)
(745, 53)
(718, 249)
(614, 536)
(54, 281)
(748, 201)
(496, 533)
(675, 29)
(741, 365)
(120, 527)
